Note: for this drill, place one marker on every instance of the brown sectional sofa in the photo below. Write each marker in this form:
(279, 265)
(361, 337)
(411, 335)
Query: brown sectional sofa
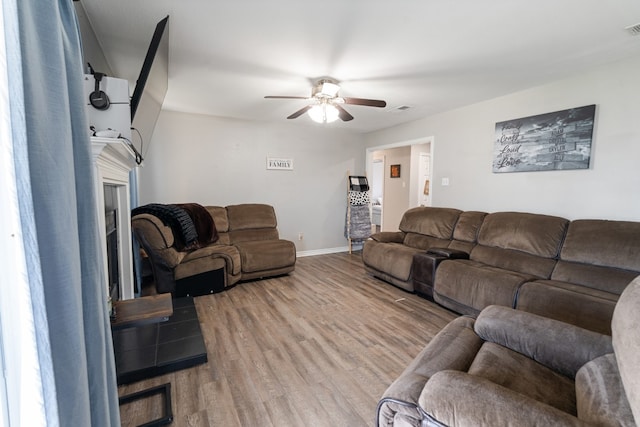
(247, 247)
(597, 261)
(572, 271)
(511, 249)
(550, 335)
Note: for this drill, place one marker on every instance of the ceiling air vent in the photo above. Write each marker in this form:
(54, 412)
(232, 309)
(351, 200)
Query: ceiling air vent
(400, 108)
(634, 30)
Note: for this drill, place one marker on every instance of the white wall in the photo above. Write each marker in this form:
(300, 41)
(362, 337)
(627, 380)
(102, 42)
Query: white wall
(217, 161)
(463, 150)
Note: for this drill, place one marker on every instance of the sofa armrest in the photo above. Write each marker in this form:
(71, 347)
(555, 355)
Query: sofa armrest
(205, 255)
(555, 344)
(389, 236)
(448, 253)
(456, 398)
(163, 263)
(454, 347)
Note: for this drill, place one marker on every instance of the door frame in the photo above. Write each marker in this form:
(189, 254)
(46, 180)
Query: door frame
(418, 141)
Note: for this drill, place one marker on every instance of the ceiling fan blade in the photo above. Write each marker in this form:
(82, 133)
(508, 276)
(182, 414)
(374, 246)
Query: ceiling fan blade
(365, 102)
(286, 97)
(343, 114)
(299, 112)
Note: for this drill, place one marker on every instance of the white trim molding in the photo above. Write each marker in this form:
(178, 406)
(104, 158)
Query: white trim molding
(113, 160)
(327, 251)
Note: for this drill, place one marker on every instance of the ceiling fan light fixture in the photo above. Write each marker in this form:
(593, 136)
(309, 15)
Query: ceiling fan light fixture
(329, 89)
(323, 113)
(325, 106)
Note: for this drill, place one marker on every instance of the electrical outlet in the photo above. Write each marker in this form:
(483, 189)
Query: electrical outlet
(300, 236)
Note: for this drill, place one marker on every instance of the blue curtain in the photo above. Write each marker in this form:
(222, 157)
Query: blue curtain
(56, 197)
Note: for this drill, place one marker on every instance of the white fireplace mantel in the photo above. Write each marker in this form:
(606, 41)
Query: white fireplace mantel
(113, 160)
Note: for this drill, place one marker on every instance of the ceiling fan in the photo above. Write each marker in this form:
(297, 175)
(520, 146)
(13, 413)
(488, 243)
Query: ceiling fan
(326, 105)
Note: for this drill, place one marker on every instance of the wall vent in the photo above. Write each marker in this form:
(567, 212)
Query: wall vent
(634, 30)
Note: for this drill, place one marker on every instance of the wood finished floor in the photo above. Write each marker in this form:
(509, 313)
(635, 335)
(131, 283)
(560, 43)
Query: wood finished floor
(315, 348)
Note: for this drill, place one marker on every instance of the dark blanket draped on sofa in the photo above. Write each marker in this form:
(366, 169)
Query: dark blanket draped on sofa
(190, 222)
(205, 228)
(175, 217)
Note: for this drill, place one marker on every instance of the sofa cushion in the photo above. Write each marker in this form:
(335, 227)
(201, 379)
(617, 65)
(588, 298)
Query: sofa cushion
(388, 237)
(468, 226)
(220, 219)
(521, 374)
(557, 345)
(251, 216)
(608, 279)
(394, 259)
(626, 342)
(513, 260)
(600, 396)
(456, 398)
(436, 222)
(420, 241)
(535, 234)
(617, 243)
(253, 234)
(575, 304)
(468, 286)
(250, 222)
(266, 255)
(459, 245)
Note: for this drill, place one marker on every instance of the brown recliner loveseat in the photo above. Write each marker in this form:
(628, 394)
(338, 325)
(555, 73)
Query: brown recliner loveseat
(246, 246)
(510, 367)
(389, 255)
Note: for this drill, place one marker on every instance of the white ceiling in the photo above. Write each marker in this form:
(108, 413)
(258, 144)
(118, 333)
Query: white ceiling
(430, 55)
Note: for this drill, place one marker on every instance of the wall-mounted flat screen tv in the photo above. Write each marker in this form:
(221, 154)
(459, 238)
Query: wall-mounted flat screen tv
(152, 83)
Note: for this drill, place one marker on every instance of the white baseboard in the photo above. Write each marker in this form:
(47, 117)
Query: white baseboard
(326, 251)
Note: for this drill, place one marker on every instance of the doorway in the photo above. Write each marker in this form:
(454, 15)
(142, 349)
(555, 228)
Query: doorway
(377, 193)
(424, 179)
(410, 185)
